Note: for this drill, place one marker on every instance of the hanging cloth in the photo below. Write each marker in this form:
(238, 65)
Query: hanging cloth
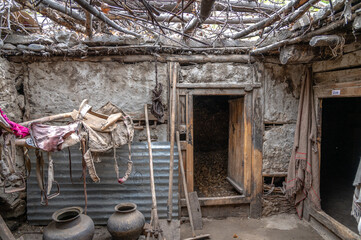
(303, 170)
(17, 129)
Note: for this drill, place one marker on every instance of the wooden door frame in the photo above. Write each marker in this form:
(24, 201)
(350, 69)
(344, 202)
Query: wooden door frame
(253, 122)
(322, 91)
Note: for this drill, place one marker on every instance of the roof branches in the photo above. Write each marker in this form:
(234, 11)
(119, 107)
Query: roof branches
(104, 18)
(205, 11)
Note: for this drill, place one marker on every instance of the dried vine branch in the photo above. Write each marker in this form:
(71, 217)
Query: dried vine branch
(205, 11)
(103, 18)
(268, 21)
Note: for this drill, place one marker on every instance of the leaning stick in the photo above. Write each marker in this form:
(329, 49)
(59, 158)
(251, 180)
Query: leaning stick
(152, 186)
(173, 74)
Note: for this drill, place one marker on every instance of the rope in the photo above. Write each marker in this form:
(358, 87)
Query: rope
(157, 106)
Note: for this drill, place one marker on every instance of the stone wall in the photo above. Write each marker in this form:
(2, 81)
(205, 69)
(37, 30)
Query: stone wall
(282, 86)
(221, 73)
(58, 87)
(12, 103)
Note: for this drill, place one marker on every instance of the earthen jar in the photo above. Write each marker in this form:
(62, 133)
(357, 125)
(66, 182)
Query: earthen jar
(126, 223)
(69, 224)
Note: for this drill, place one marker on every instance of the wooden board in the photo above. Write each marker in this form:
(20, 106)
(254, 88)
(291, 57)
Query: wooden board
(349, 60)
(347, 89)
(190, 147)
(247, 143)
(339, 76)
(196, 211)
(339, 229)
(235, 144)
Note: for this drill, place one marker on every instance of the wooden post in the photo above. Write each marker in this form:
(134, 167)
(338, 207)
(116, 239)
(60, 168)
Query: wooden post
(257, 146)
(174, 75)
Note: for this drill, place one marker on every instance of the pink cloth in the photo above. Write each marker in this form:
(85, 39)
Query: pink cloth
(18, 130)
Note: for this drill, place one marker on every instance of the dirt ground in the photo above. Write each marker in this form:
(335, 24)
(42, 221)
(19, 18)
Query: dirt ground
(278, 227)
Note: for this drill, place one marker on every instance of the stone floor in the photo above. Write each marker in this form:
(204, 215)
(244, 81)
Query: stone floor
(279, 227)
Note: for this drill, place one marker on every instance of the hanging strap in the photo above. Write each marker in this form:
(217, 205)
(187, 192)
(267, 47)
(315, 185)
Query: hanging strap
(10, 155)
(83, 146)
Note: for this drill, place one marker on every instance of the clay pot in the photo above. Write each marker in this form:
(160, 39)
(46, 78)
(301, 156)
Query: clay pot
(69, 224)
(126, 223)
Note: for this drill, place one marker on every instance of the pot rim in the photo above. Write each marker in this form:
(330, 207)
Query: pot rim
(57, 213)
(127, 204)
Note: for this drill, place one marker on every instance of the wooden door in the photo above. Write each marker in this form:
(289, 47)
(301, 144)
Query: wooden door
(185, 128)
(236, 145)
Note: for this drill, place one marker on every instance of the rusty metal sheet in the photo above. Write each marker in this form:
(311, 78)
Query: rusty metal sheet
(103, 196)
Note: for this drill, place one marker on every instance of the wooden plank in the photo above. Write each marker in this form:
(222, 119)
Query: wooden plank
(247, 143)
(5, 232)
(257, 146)
(196, 211)
(339, 229)
(216, 201)
(344, 92)
(190, 154)
(347, 75)
(275, 174)
(349, 60)
(352, 47)
(235, 171)
(219, 85)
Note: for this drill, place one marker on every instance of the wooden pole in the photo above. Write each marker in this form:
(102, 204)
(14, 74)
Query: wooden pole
(185, 184)
(173, 74)
(48, 118)
(152, 186)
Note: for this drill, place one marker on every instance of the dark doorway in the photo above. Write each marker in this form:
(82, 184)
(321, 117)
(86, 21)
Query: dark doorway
(340, 156)
(211, 139)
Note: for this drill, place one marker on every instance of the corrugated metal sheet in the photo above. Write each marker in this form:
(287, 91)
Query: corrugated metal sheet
(103, 196)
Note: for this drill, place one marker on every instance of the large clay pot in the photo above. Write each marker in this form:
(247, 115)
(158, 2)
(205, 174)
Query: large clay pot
(126, 223)
(69, 224)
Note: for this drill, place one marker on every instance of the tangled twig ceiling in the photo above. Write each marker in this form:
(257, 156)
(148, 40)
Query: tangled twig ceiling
(181, 22)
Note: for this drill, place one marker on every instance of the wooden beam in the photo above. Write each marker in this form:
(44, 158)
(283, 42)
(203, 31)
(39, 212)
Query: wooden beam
(247, 87)
(349, 60)
(339, 229)
(352, 74)
(214, 201)
(196, 58)
(348, 89)
(275, 174)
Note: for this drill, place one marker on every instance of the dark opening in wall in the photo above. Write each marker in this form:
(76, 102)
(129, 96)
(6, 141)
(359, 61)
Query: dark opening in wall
(340, 156)
(211, 133)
